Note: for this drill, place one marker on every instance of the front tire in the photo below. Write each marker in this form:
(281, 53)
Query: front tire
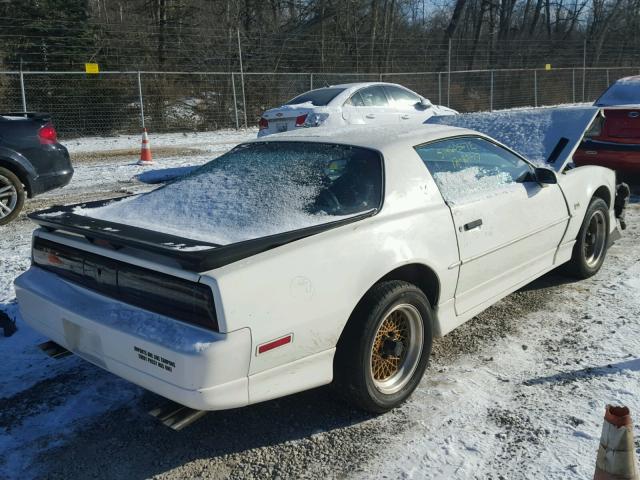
(12, 196)
(591, 244)
(385, 347)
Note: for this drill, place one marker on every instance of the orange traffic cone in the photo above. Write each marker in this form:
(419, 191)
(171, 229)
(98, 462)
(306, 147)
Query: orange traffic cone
(145, 150)
(617, 453)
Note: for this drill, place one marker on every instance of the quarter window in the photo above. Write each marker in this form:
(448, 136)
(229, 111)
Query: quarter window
(467, 169)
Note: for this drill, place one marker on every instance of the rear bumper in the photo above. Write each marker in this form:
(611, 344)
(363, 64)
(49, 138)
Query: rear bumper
(200, 369)
(50, 181)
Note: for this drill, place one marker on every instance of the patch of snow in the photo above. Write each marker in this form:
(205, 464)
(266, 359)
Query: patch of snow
(214, 141)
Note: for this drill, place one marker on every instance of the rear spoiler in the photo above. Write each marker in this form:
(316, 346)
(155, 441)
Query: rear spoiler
(30, 115)
(193, 255)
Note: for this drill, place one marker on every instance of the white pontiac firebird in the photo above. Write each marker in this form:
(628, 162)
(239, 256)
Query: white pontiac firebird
(310, 258)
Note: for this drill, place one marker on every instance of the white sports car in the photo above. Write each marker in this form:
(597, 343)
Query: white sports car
(351, 104)
(308, 258)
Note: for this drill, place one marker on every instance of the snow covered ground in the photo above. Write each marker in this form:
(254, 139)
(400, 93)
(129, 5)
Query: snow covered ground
(518, 392)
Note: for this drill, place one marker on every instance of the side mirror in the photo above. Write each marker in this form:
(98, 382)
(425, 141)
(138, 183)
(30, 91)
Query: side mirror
(545, 176)
(424, 104)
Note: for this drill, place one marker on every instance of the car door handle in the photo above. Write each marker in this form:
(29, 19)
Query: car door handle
(405, 117)
(472, 225)
(370, 115)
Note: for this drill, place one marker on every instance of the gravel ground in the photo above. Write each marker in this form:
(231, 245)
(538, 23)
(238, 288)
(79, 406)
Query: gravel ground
(486, 409)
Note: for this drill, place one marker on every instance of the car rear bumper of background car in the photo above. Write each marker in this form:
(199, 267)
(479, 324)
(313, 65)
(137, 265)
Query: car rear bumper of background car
(621, 157)
(49, 181)
(200, 369)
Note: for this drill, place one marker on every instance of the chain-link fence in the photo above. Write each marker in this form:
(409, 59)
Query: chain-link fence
(122, 102)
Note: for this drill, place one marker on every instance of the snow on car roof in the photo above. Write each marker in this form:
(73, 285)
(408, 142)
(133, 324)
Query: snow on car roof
(376, 137)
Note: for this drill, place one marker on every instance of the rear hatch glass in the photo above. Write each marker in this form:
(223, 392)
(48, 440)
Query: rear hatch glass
(625, 91)
(318, 98)
(258, 189)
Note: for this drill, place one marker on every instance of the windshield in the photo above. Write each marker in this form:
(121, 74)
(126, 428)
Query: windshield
(318, 98)
(258, 189)
(623, 92)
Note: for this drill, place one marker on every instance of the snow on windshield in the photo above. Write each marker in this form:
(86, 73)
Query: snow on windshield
(533, 133)
(625, 91)
(257, 189)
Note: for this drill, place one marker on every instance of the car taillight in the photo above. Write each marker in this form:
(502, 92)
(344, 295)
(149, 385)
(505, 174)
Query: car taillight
(48, 135)
(300, 119)
(595, 130)
(263, 124)
(157, 292)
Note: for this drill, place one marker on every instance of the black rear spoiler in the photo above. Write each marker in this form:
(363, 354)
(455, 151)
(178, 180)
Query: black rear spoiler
(31, 115)
(191, 254)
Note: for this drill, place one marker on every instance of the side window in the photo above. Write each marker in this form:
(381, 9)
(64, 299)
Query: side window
(471, 168)
(374, 97)
(355, 100)
(402, 98)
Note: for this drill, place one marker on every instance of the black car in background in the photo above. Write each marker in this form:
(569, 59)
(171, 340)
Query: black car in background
(31, 160)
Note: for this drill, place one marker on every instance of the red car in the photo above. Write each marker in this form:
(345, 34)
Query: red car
(613, 139)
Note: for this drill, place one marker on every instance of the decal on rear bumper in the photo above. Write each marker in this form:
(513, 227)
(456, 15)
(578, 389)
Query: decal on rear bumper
(155, 360)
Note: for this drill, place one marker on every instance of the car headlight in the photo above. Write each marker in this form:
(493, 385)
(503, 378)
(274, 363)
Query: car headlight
(315, 119)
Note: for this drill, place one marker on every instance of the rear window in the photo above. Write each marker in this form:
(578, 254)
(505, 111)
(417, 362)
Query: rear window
(318, 98)
(258, 189)
(623, 92)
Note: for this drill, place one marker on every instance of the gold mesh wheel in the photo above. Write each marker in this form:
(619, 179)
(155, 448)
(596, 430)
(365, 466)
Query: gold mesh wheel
(396, 348)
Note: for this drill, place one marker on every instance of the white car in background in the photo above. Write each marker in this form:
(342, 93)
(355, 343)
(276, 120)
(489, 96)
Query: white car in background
(351, 104)
(312, 257)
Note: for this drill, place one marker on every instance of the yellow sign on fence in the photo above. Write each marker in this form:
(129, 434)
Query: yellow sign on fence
(547, 66)
(91, 68)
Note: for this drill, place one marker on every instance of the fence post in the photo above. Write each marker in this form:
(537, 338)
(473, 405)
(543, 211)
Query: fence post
(584, 67)
(535, 88)
(449, 77)
(244, 98)
(573, 83)
(380, 78)
(608, 81)
(491, 94)
(311, 81)
(141, 99)
(235, 101)
(439, 88)
(22, 92)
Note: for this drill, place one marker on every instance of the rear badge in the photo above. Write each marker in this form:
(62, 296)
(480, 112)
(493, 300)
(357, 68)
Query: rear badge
(270, 345)
(634, 114)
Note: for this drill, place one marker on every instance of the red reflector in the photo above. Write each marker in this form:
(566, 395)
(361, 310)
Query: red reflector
(263, 124)
(48, 135)
(300, 120)
(265, 347)
(54, 259)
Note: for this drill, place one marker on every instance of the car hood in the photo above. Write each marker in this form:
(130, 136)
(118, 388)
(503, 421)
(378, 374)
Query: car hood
(547, 137)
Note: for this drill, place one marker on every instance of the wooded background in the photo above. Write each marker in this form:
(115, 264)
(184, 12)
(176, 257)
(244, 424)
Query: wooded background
(317, 35)
(469, 54)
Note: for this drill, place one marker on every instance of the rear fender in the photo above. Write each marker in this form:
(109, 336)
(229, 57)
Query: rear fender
(20, 166)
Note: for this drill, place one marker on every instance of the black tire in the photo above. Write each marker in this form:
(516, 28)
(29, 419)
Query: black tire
(12, 200)
(591, 244)
(384, 304)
